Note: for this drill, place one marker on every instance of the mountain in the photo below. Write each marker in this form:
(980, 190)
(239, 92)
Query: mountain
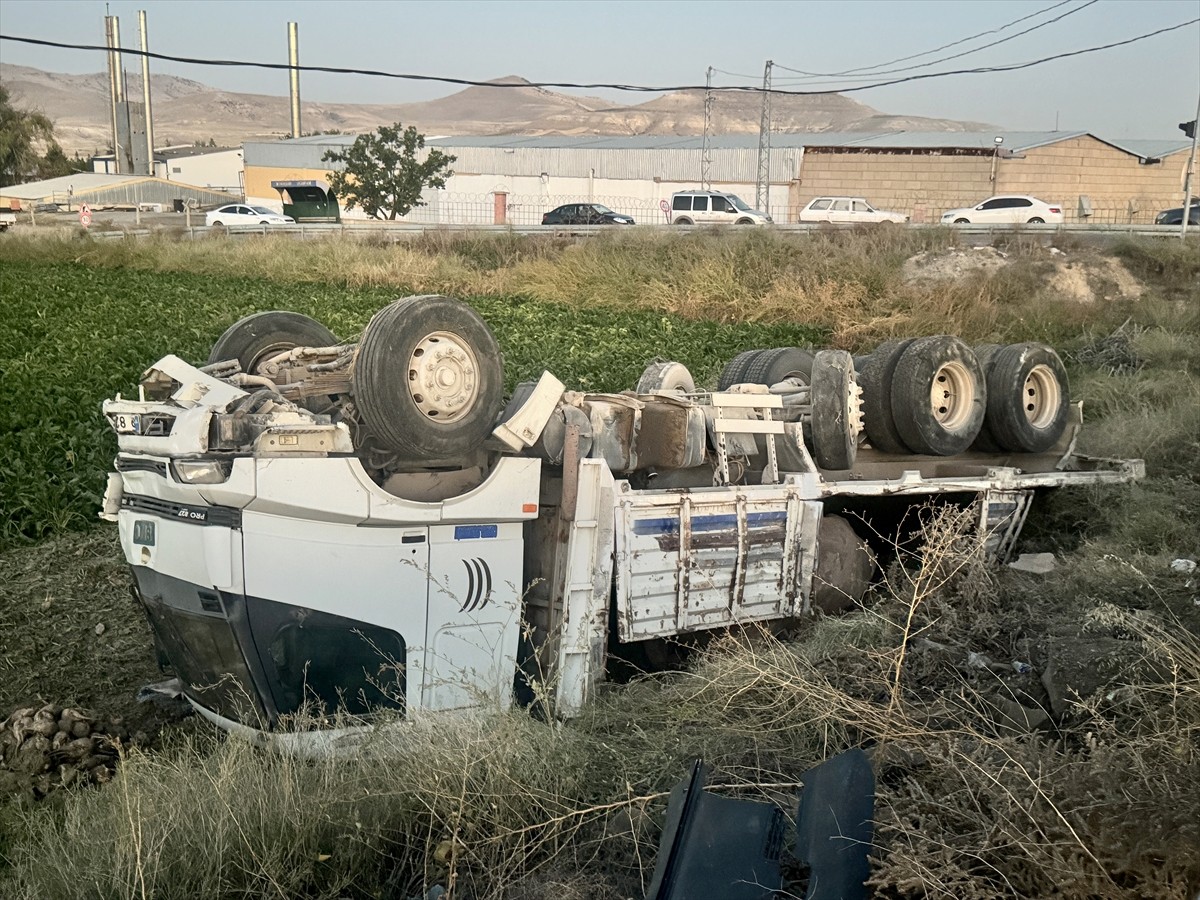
(187, 111)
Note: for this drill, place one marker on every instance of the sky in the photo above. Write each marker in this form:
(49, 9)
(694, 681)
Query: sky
(1138, 91)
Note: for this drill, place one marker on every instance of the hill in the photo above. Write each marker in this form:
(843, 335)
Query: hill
(186, 111)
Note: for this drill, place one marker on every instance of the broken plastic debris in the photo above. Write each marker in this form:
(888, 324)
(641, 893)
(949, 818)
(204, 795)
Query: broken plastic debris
(1183, 566)
(1035, 563)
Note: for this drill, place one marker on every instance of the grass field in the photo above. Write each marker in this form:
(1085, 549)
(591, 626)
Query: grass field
(1103, 801)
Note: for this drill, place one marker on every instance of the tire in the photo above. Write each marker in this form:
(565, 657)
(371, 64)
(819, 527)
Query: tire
(260, 336)
(875, 378)
(683, 220)
(985, 441)
(744, 222)
(1028, 398)
(734, 369)
(666, 376)
(774, 365)
(418, 403)
(845, 567)
(962, 221)
(217, 225)
(1037, 221)
(836, 410)
(939, 396)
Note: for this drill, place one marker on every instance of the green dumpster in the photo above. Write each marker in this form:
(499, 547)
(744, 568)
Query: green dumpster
(308, 201)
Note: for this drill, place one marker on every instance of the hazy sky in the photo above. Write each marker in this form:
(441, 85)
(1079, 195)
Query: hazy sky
(1141, 90)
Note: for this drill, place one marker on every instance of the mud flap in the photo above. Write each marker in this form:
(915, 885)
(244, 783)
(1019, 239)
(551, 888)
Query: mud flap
(834, 826)
(717, 848)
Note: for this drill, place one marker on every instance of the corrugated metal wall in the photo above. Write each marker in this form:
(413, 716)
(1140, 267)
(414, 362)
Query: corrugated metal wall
(738, 165)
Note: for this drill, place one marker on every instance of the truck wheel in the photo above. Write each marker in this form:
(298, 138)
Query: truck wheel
(845, 567)
(985, 441)
(260, 336)
(735, 369)
(939, 397)
(428, 377)
(774, 365)
(683, 220)
(1028, 398)
(836, 410)
(666, 376)
(875, 378)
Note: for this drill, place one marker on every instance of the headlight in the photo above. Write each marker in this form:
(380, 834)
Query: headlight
(201, 471)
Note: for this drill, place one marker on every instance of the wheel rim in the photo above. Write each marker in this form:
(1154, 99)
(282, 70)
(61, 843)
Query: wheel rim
(951, 395)
(443, 377)
(1041, 396)
(854, 408)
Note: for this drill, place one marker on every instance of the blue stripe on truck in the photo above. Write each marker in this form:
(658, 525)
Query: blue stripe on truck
(475, 532)
(670, 524)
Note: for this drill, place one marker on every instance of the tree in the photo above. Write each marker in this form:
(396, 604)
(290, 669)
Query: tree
(381, 173)
(20, 131)
(56, 163)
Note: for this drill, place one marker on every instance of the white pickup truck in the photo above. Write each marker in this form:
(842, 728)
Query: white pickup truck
(313, 524)
(7, 219)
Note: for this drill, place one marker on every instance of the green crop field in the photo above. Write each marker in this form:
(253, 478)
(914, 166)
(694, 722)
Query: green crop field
(73, 335)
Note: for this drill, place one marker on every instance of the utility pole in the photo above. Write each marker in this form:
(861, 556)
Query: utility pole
(1191, 174)
(762, 187)
(706, 152)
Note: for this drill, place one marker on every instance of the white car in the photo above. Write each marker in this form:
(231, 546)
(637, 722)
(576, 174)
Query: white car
(242, 214)
(1012, 209)
(847, 209)
(713, 208)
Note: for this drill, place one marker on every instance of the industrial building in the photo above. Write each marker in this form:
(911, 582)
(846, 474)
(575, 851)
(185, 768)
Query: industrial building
(100, 191)
(215, 168)
(515, 179)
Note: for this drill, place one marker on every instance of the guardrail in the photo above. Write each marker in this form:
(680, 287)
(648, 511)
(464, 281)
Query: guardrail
(402, 230)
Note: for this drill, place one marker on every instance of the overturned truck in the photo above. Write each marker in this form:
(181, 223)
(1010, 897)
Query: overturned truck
(363, 526)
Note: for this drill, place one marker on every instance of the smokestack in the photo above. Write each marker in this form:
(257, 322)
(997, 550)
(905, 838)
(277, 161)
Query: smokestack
(146, 92)
(294, 62)
(110, 42)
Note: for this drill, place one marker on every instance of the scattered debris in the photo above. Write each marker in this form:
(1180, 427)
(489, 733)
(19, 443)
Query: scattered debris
(1034, 563)
(1183, 566)
(51, 747)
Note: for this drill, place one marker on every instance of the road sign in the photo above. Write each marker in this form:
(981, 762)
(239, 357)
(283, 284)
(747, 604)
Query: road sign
(664, 205)
(85, 215)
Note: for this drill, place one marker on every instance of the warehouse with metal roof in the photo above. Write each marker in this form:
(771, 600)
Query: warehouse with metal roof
(100, 190)
(515, 178)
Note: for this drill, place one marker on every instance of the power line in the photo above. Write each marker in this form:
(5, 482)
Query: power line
(660, 89)
(936, 49)
(934, 62)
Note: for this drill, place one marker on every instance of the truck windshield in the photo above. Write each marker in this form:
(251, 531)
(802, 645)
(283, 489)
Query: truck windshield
(737, 201)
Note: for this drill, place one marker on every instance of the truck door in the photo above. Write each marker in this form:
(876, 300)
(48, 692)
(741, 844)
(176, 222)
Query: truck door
(338, 611)
(474, 614)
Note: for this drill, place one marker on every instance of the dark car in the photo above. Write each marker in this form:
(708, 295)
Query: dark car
(1175, 216)
(585, 214)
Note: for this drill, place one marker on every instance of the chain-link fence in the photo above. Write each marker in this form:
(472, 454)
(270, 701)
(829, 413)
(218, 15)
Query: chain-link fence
(521, 209)
(448, 208)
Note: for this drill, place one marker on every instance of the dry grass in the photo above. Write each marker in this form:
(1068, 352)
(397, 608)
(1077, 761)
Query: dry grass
(847, 282)
(503, 806)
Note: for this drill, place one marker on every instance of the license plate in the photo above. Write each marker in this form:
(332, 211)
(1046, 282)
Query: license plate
(143, 533)
(125, 423)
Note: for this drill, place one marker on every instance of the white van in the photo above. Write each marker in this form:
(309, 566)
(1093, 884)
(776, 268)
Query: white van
(713, 208)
